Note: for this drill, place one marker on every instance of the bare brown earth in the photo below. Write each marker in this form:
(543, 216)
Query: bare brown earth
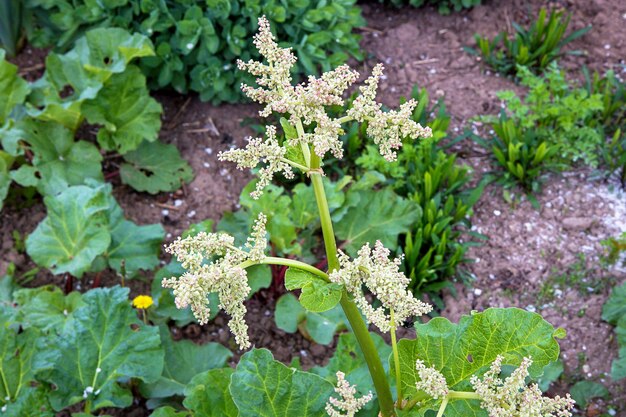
(528, 251)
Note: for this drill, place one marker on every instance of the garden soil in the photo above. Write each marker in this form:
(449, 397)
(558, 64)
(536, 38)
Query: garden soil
(542, 260)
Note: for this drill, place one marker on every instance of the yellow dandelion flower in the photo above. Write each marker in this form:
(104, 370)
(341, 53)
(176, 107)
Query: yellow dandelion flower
(142, 301)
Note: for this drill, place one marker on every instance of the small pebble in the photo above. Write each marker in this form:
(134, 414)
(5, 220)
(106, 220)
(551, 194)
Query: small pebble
(477, 292)
(178, 203)
(208, 151)
(165, 212)
(191, 213)
(497, 212)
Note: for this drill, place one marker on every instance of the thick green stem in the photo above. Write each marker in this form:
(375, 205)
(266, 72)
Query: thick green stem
(350, 309)
(272, 260)
(396, 358)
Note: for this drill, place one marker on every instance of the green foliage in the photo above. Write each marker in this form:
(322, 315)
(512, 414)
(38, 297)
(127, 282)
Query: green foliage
(13, 89)
(104, 343)
(208, 394)
(534, 47)
(444, 7)
(11, 25)
(375, 215)
(155, 167)
(197, 43)
(317, 295)
(183, 361)
(84, 223)
(583, 391)
(470, 348)
(522, 155)
(262, 386)
(616, 247)
(555, 125)
(291, 316)
(614, 312)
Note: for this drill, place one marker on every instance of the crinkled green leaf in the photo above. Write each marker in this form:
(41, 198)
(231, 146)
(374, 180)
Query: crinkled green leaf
(183, 361)
(468, 348)
(317, 294)
(59, 161)
(155, 167)
(32, 402)
(16, 356)
(375, 215)
(105, 345)
(46, 308)
(127, 112)
(75, 231)
(264, 387)
(13, 89)
(208, 394)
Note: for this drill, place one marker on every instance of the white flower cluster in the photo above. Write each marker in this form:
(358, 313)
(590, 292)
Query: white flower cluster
(267, 150)
(386, 128)
(432, 382)
(348, 405)
(382, 277)
(306, 103)
(224, 275)
(512, 398)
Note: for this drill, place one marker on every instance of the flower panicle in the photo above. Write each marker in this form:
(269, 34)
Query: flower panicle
(383, 278)
(348, 405)
(259, 150)
(224, 275)
(431, 381)
(513, 398)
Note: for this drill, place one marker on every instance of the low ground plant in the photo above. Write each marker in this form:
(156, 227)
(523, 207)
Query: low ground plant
(534, 47)
(197, 42)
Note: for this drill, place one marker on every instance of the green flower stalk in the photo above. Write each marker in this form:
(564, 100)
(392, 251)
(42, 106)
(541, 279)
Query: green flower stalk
(214, 264)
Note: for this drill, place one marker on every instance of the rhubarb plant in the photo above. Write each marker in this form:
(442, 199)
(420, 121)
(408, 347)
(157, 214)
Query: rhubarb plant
(452, 369)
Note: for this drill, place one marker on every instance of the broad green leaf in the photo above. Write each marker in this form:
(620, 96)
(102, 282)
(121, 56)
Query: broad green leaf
(305, 210)
(468, 348)
(183, 361)
(321, 327)
(75, 231)
(105, 345)
(289, 313)
(155, 167)
(583, 391)
(615, 307)
(208, 394)
(16, 356)
(7, 286)
(168, 412)
(259, 276)
(127, 112)
(13, 89)
(46, 308)
(59, 161)
(264, 387)
(137, 246)
(32, 402)
(317, 295)
(375, 215)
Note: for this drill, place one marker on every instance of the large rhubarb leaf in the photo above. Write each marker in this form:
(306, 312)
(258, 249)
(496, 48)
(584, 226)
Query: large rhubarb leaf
(127, 112)
(264, 387)
(75, 231)
(468, 348)
(103, 347)
(375, 215)
(208, 394)
(13, 89)
(155, 167)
